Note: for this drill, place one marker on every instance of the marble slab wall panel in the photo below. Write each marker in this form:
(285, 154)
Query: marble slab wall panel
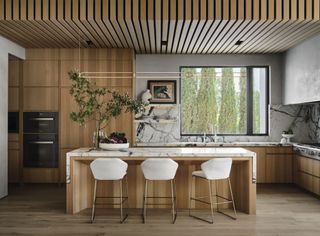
(304, 120)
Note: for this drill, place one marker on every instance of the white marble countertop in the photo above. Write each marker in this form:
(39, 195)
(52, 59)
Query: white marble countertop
(163, 152)
(211, 144)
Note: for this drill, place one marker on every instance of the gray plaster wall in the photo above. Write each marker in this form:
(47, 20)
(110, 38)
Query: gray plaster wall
(6, 47)
(301, 83)
(171, 63)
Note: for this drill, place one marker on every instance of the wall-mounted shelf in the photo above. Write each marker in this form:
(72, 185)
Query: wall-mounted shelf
(159, 121)
(163, 106)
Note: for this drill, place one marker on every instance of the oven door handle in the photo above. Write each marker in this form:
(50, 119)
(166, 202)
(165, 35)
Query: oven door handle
(41, 119)
(41, 142)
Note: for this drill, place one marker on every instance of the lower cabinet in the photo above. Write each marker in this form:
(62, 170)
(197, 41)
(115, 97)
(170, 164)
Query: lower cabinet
(13, 166)
(307, 173)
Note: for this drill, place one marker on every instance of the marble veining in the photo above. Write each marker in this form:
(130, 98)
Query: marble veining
(162, 152)
(303, 119)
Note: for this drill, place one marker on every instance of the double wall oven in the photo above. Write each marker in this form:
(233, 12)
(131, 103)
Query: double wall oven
(40, 139)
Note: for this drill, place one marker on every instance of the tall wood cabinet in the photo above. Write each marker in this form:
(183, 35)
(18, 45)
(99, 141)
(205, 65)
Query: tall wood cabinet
(46, 88)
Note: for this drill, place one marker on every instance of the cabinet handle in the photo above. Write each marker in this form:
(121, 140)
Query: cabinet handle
(42, 142)
(41, 119)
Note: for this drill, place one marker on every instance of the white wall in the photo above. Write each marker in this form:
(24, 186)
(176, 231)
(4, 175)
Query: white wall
(6, 47)
(171, 63)
(301, 82)
(279, 121)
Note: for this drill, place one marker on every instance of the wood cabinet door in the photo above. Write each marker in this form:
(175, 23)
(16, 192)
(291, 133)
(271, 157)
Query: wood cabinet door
(316, 176)
(279, 165)
(41, 99)
(261, 163)
(13, 166)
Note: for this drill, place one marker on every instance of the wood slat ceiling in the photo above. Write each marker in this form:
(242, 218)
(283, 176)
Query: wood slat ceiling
(161, 26)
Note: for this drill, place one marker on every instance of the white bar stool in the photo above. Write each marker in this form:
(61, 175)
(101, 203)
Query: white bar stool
(159, 169)
(109, 169)
(212, 170)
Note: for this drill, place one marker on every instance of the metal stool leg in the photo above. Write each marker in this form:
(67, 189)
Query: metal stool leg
(173, 202)
(211, 204)
(122, 218)
(145, 201)
(234, 207)
(190, 195)
(94, 201)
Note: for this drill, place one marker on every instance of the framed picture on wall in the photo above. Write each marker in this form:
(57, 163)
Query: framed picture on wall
(162, 91)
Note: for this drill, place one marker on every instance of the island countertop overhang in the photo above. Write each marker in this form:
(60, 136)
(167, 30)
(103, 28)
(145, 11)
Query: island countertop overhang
(178, 153)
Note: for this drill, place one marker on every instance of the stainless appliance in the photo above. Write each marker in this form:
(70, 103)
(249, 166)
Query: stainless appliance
(311, 150)
(40, 139)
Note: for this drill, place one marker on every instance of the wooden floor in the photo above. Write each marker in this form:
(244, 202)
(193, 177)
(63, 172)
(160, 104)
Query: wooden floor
(40, 210)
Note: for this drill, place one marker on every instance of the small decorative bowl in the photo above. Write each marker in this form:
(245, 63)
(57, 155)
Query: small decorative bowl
(113, 146)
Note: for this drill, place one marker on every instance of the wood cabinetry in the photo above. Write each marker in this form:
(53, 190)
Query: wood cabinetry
(40, 99)
(14, 163)
(46, 88)
(279, 165)
(307, 173)
(261, 163)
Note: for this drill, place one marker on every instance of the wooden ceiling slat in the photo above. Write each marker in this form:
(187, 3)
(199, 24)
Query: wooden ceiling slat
(2, 10)
(151, 26)
(299, 29)
(123, 14)
(98, 20)
(138, 34)
(15, 34)
(179, 25)
(193, 27)
(287, 29)
(82, 20)
(188, 26)
(309, 32)
(157, 25)
(165, 24)
(172, 25)
(90, 17)
(232, 38)
(201, 24)
(185, 31)
(260, 37)
(114, 22)
(130, 26)
(144, 25)
(252, 35)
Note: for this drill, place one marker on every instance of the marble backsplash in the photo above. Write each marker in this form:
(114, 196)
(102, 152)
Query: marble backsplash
(304, 120)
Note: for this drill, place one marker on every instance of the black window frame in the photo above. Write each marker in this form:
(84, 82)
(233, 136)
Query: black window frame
(249, 99)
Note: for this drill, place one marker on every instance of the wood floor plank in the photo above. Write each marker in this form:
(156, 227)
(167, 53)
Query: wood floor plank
(39, 209)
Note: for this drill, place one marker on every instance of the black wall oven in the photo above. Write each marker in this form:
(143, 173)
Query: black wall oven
(40, 139)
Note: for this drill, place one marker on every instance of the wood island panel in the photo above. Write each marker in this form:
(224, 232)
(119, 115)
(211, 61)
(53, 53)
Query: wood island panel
(80, 189)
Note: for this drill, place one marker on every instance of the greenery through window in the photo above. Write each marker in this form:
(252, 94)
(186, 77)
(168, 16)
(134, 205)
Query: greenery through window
(224, 100)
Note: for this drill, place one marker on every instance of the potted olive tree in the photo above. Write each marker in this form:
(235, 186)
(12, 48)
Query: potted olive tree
(93, 103)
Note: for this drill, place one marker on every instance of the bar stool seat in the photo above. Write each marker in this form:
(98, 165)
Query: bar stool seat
(213, 170)
(112, 169)
(155, 169)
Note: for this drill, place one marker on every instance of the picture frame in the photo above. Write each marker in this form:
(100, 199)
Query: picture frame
(163, 91)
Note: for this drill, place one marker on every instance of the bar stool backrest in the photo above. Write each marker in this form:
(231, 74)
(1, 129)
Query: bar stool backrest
(108, 168)
(217, 168)
(159, 168)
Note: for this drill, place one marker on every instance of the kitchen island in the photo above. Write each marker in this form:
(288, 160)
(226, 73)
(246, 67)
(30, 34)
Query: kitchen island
(80, 180)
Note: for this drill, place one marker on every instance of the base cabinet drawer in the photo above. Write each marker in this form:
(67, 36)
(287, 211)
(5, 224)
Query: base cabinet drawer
(13, 166)
(307, 174)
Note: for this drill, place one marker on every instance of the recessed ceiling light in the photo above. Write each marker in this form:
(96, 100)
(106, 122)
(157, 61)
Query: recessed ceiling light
(164, 43)
(238, 43)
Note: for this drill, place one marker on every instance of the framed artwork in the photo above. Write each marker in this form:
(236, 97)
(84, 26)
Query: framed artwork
(162, 91)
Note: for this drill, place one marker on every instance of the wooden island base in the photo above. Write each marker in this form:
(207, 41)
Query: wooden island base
(80, 187)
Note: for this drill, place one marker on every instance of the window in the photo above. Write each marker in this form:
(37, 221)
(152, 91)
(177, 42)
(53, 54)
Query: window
(224, 100)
